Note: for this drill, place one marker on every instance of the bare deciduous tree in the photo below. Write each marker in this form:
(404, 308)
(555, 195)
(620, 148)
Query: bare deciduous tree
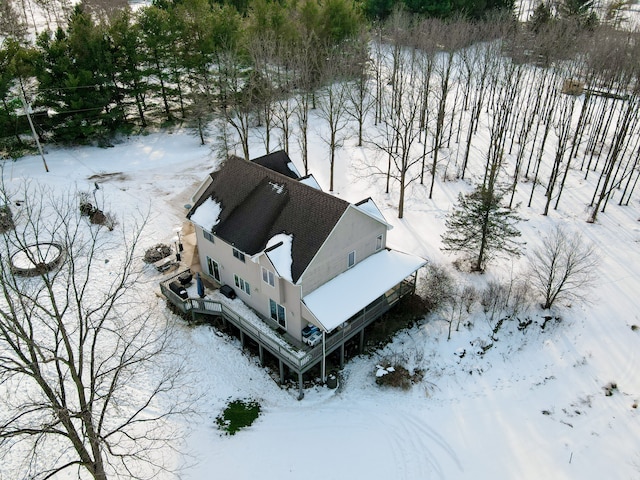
(401, 130)
(563, 267)
(332, 109)
(105, 9)
(84, 378)
(11, 25)
(239, 105)
(447, 297)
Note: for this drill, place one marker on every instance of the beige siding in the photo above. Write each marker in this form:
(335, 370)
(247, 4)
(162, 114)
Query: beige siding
(356, 231)
(222, 253)
(283, 292)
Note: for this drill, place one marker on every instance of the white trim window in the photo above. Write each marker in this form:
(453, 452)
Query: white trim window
(278, 313)
(378, 242)
(351, 261)
(214, 268)
(208, 236)
(238, 254)
(242, 284)
(268, 277)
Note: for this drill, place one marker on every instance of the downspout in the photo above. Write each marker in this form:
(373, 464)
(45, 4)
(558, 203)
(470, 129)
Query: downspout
(324, 358)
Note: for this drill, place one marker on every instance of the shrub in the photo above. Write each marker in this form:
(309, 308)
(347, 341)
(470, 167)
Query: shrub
(238, 414)
(610, 388)
(438, 286)
(397, 376)
(97, 217)
(6, 219)
(86, 207)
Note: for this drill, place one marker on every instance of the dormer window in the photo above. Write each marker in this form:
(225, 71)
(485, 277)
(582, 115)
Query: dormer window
(352, 259)
(208, 236)
(238, 254)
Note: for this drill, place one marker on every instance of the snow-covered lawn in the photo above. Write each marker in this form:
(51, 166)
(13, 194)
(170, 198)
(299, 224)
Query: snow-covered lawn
(533, 406)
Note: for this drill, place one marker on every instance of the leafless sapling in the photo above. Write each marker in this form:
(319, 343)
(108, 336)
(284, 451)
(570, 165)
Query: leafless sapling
(563, 267)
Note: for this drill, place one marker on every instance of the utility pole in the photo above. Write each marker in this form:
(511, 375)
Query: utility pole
(33, 130)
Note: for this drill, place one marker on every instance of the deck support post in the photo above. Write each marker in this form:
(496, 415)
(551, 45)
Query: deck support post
(361, 344)
(300, 387)
(281, 366)
(241, 338)
(342, 355)
(261, 354)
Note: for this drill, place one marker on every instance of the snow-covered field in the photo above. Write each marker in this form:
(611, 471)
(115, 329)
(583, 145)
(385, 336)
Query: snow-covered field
(533, 406)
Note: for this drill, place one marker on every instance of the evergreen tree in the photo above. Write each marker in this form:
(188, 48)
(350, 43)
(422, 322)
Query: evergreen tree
(15, 65)
(158, 52)
(480, 227)
(204, 31)
(541, 16)
(127, 55)
(74, 81)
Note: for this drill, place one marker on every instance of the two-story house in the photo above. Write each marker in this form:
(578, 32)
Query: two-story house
(295, 254)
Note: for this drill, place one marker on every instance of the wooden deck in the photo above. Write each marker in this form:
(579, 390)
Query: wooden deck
(298, 357)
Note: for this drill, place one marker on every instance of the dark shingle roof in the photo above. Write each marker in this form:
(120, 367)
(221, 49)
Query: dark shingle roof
(278, 162)
(258, 203)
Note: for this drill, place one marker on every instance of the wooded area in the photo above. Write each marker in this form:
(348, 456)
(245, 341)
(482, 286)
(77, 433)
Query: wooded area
(566, 81)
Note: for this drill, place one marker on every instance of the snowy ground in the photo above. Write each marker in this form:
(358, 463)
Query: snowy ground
(534, 406)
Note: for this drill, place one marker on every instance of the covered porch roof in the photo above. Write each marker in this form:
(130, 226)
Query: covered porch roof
(348, 293)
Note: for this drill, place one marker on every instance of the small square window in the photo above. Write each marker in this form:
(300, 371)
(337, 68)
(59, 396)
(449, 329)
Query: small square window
(238, 254)
(208, 235)
(352, 259)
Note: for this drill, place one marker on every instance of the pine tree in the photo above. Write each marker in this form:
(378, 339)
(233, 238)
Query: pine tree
(74, 81)
(480, 227)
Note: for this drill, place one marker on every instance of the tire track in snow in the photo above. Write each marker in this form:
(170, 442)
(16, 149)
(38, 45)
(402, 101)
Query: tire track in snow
(418, 449)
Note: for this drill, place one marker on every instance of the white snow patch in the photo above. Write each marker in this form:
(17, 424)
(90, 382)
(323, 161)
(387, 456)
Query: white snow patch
(293, 168)
(311, 182)
(370, 208)
(207, 215)
(281, 256)
(382, 371)
(277, 187)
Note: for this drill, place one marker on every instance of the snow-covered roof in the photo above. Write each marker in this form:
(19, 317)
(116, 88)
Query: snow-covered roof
(348, 293)
(369, 207)
(258, 203)
(207, 214)
(279, 252)
(278, 162)
(293, 169)
(311, 181)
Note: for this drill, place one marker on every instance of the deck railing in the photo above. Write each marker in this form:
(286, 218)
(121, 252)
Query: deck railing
(297, 359)
(270, 339)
